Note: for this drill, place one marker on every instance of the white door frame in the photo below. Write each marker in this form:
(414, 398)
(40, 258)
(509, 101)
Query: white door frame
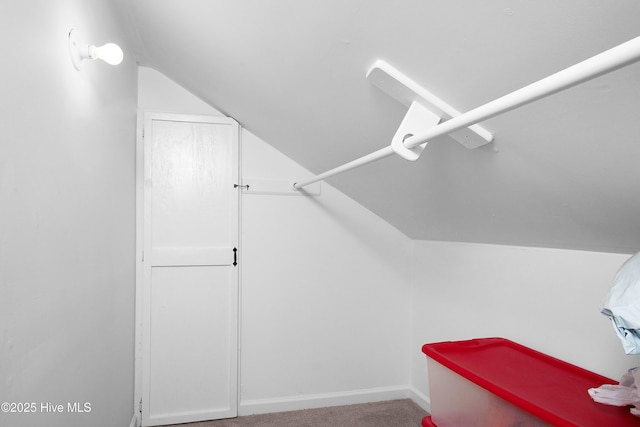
(139, 171)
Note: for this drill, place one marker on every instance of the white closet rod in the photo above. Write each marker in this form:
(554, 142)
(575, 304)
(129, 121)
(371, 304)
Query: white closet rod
(605, 62)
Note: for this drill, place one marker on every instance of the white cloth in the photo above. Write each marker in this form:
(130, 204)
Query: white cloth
(624, 394)
(622, 304)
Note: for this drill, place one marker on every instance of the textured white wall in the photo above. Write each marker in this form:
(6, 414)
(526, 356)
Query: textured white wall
(325, 290)
(66, 216)
(547, 299)
(159, 94)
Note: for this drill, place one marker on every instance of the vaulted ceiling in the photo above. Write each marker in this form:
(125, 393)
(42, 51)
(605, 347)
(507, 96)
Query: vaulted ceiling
(563, 172)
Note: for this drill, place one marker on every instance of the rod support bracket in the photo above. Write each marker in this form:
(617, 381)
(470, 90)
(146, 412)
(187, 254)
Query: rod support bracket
(406, 91)
(417, 119)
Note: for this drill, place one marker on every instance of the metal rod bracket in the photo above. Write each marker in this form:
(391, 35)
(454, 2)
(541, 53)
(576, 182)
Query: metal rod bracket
(605, 62)
(417, 119)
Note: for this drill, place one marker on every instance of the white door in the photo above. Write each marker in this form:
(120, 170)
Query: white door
(190, 277)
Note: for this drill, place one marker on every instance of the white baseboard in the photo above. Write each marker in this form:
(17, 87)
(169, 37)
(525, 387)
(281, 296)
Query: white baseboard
(134, 422)
(293, 403)
(420, 399)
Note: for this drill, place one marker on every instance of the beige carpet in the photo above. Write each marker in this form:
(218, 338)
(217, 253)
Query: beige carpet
(392, 413)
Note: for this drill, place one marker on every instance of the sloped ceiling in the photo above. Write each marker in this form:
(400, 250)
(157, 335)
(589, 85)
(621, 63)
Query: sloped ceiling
(563, 172)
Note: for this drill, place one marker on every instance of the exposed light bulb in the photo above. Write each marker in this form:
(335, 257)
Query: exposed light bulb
(109, 53)
(79, 51)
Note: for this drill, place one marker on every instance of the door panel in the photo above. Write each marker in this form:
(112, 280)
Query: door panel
(191, 184)
(182, 379)
(190, 284)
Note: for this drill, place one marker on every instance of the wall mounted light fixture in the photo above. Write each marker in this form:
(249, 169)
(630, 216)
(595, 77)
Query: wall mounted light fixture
(79, 51)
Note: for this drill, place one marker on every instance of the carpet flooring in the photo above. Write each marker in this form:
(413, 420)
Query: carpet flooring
(392, 413)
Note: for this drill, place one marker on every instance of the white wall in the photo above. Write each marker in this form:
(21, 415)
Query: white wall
(325, 284)
(547, 299)
(66, 216)
(325, 296)
(157, 93)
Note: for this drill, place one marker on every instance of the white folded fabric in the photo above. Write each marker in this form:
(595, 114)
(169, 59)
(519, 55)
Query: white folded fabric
(622, 304)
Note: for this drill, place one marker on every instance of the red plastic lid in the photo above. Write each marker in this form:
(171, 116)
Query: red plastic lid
(546, 387)
(426, 422)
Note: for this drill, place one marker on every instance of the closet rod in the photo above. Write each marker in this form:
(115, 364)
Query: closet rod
(605, 62)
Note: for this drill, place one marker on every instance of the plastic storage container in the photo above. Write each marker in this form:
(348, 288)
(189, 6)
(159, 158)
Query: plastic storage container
(494, 382)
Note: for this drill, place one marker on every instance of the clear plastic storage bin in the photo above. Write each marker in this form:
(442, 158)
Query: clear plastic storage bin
(494, 382)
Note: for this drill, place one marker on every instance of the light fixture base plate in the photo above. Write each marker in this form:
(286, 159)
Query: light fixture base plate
(75, 45)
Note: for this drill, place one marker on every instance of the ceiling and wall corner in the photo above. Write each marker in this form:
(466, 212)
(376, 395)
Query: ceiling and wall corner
(562, 173)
